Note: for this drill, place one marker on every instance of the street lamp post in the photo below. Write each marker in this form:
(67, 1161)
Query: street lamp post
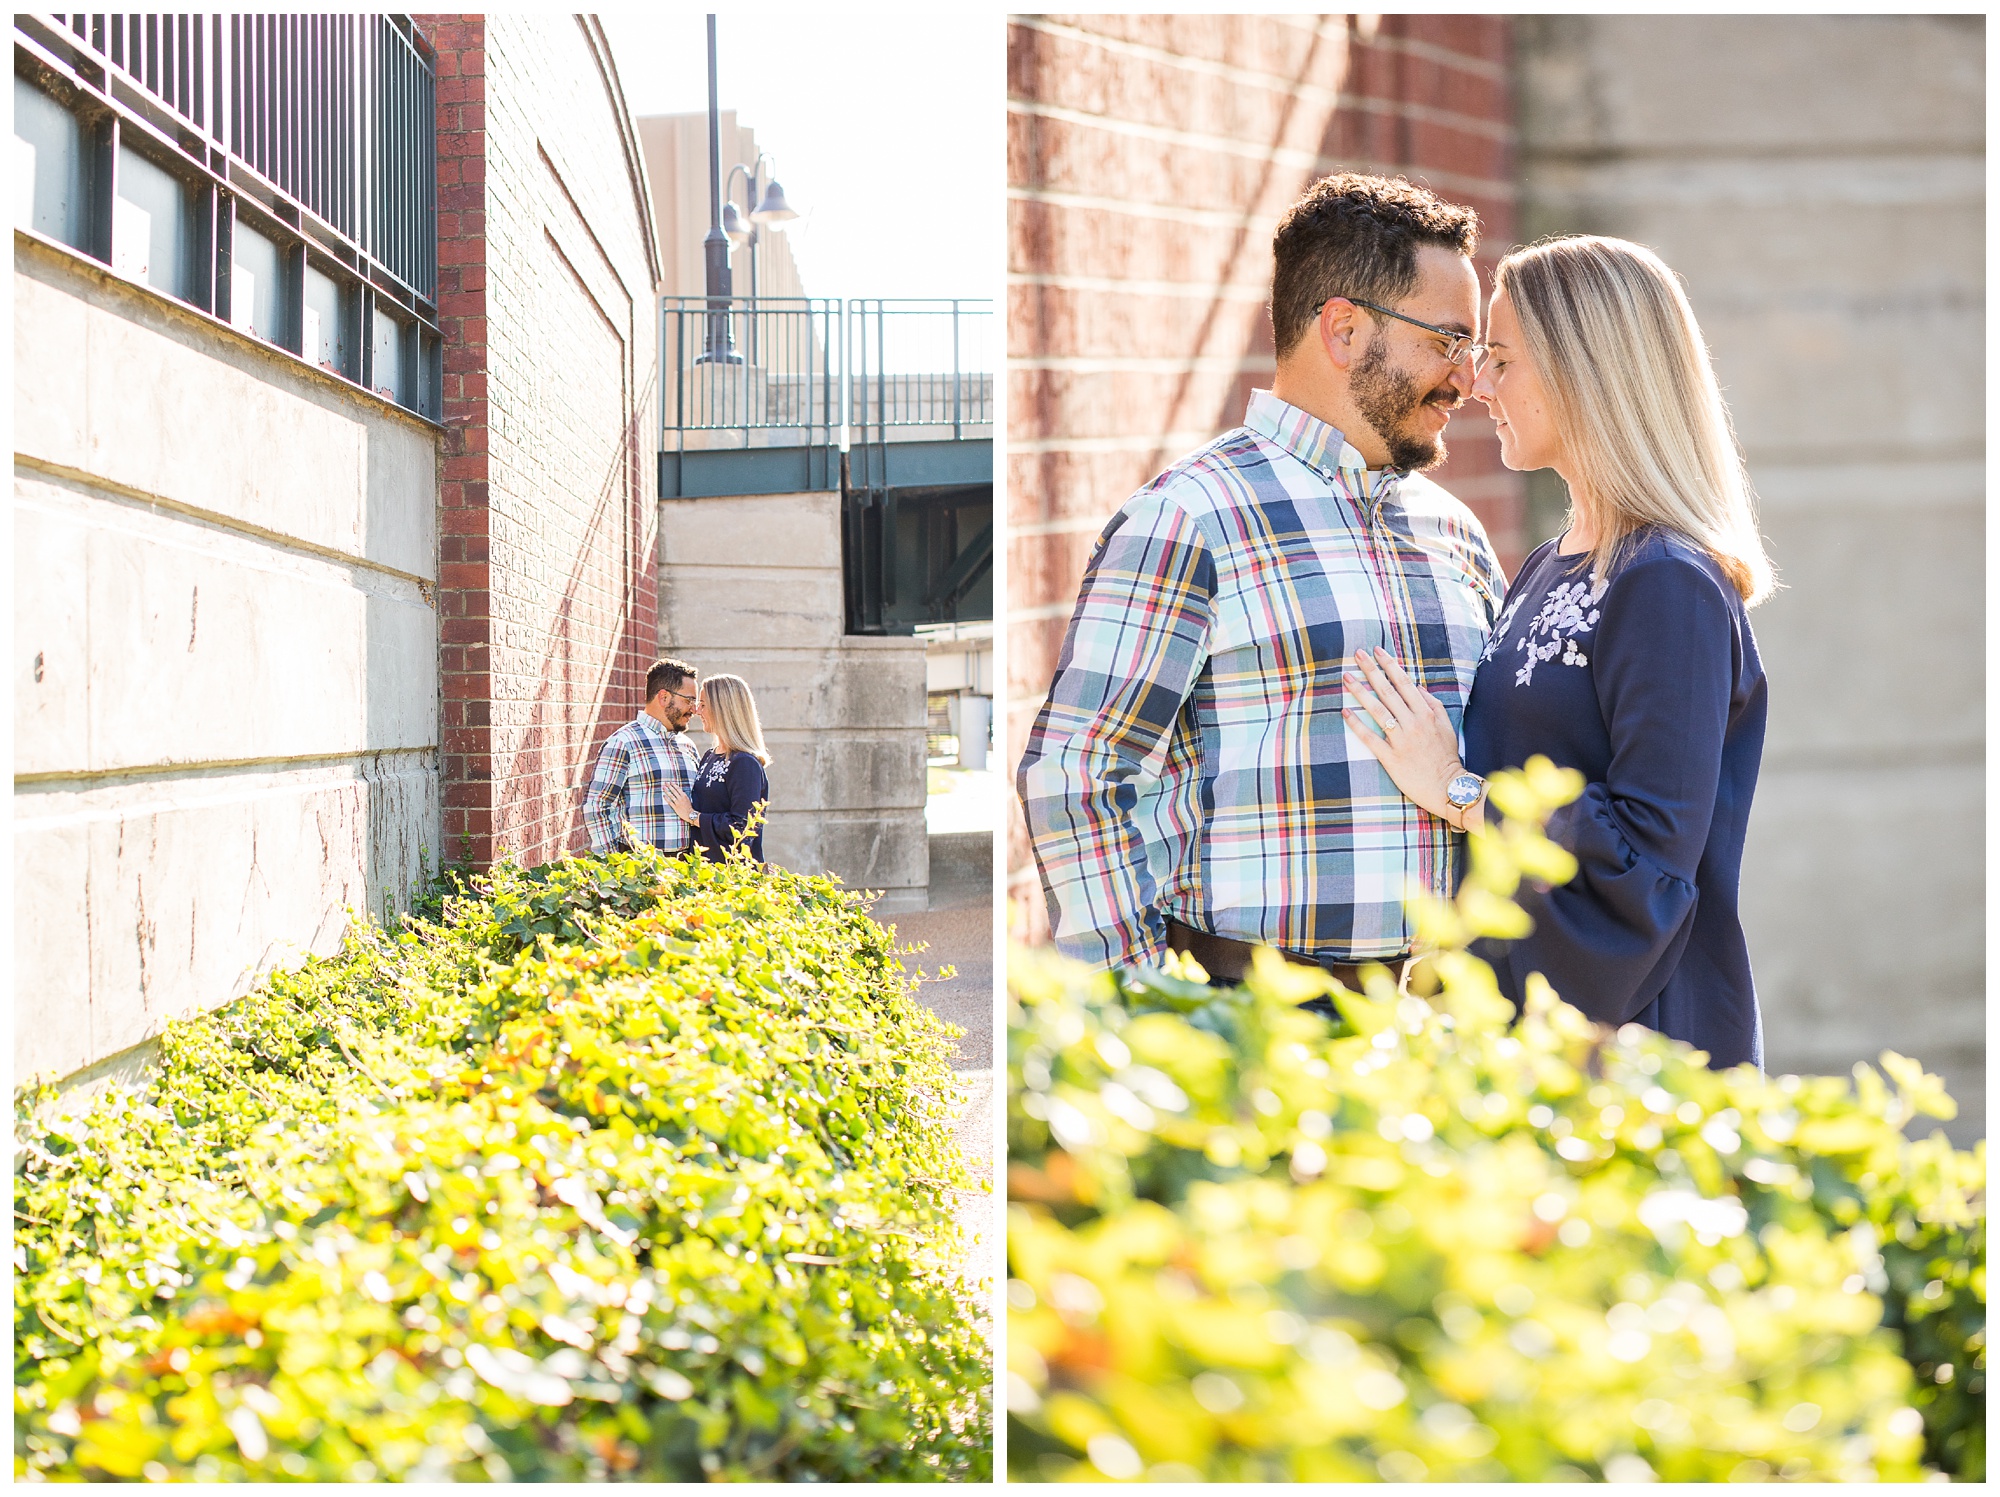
(718, 347)
(764, 201)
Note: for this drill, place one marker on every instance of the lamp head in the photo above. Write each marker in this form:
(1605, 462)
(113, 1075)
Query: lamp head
(773, 209)
(733, 224)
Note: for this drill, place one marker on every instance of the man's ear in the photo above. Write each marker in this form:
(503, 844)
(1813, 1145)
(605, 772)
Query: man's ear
(1337, 331)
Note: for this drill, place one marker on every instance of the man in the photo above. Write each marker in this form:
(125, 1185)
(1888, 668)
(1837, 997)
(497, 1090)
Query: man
(1189, 784)
(627, 798)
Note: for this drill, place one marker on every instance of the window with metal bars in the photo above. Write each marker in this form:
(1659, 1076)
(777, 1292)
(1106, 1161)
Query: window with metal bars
(278, 172)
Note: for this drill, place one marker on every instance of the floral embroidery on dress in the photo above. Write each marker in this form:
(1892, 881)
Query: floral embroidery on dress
(1568, 610)
(1500, 627)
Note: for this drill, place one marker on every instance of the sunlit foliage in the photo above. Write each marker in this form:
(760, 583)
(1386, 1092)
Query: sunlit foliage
(1435, 1241)
(629, 1167)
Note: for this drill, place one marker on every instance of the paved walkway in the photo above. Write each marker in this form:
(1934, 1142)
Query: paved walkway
(959, 929)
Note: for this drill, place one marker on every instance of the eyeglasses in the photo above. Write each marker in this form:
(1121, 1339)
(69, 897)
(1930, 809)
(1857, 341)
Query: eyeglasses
(682, 696)
(1456, 344)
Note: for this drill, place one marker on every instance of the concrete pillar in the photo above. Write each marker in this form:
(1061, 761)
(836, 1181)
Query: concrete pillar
(1819, 182)
(751, 586)
(974, 727)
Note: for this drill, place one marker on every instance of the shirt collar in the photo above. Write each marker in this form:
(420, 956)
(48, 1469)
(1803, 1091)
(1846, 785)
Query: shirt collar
(650, 724)
(1317, 444)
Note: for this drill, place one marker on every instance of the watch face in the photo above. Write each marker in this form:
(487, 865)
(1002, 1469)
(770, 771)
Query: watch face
(1464, 789)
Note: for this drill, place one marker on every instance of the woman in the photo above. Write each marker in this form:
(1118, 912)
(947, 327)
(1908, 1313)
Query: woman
(1623, 650)
(729, 783)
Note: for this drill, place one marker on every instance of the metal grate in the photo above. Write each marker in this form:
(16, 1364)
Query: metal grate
(278, 172)
(778, 370)
(338, 112)
(758, 374)
(925, 364)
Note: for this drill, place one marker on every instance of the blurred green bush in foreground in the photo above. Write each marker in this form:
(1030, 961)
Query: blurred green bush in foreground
(1426, 1242)
(629, 1167)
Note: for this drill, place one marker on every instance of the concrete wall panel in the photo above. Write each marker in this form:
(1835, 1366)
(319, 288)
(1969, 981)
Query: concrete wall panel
(51, 644)
(1745, 85)
(1860, 287)
(207, 646)
(145, 387)
(846, 769)
(792, 530)
(52, 949)
(1820, 183)
(1874, 873)
(751, 586)
(848, 688)
(154, 900)
(226, 673)
(867, 849)
(1864, 676)
(717, 608)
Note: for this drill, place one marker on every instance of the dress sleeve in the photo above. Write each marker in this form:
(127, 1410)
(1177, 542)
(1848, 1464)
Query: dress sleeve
(1136, 643)
(604, 801)
(1664, 665)
(743, 789)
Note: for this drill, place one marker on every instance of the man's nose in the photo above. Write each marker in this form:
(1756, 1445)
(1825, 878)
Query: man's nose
(1462, 377)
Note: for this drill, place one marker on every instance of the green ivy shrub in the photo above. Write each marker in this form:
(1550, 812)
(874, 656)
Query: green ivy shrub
(630, 1167)
(1429, 1241)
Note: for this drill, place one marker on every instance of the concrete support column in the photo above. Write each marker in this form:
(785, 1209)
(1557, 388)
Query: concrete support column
(1820, 184)
(751, 586)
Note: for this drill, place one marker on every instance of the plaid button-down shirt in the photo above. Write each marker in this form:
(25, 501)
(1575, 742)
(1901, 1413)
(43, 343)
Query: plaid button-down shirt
(629, 784)
(1191, 760)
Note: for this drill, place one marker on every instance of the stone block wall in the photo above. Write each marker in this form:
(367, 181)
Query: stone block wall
(751, 586)
(1148, 161)
(225, 679)
(1820, 183)
(547, 268)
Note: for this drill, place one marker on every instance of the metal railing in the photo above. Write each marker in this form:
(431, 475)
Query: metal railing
(750, 376)
(820, 373)
(920, 364)
(276, 171)
(337, 112)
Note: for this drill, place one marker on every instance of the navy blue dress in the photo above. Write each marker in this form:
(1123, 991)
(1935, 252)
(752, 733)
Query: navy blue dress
(1649, 685)
(726, 786)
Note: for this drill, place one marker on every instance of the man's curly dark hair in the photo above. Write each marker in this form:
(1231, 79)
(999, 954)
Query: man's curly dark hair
(1357, 235)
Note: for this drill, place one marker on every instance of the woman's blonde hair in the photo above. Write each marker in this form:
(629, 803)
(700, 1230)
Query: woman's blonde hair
(1638, 412)
(730, 713)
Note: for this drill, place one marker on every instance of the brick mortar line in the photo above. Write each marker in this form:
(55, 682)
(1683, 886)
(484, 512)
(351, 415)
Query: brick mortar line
(569, 197)
(1198, 364)
(1217, 218)
(1464, 62)
(1235, 146)
(1244, 291)
(1207, 67)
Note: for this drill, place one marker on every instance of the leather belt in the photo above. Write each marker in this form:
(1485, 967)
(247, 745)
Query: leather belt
(1228, 960)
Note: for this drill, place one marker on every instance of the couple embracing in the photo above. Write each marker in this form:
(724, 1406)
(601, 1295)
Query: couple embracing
(648, 786)
(1294, 659)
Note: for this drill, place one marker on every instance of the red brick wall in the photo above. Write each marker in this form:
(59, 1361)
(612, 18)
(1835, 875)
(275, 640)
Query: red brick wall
(548, 523)
(1148, 161)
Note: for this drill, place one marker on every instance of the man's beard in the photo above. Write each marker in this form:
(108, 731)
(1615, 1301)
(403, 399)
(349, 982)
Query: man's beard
(1389, 398)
